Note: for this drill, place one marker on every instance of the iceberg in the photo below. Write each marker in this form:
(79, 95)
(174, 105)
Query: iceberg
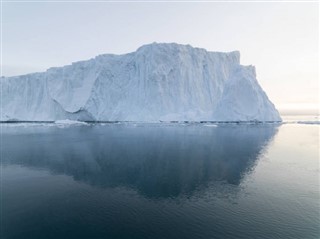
(158, 82)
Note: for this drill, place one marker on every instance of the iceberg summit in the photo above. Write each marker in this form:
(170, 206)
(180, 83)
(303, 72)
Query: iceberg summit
(158, 82)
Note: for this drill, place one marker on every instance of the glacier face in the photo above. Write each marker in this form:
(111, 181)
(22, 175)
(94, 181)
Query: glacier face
(166, 81)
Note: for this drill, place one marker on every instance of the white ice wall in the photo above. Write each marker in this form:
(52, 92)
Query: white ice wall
(157, 82)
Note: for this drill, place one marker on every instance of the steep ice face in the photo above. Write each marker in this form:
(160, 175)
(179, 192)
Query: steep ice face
(157, 82)
(160, 82)
(244, 100)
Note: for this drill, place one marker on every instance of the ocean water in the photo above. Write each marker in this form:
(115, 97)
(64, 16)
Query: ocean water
(160, 181)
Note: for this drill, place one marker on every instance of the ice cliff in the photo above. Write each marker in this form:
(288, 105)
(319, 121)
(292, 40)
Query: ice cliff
(168, 82)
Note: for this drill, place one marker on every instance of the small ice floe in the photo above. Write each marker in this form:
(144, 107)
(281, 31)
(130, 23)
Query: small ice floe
(210, 125)
(68, 122)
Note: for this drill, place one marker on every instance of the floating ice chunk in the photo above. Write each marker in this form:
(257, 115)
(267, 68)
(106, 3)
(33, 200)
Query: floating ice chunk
(70, 122)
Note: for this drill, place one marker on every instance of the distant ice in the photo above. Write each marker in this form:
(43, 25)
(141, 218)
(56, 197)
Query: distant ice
(308, 122)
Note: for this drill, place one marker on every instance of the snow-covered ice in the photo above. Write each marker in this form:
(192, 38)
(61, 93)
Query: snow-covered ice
(167, 82)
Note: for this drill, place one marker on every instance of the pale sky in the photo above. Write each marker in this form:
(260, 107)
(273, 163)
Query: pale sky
(280, 39)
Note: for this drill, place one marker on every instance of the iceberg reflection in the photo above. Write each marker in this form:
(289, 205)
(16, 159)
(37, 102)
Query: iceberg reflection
(158, 161)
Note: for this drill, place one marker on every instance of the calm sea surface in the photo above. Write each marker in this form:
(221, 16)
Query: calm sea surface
(160, 181)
